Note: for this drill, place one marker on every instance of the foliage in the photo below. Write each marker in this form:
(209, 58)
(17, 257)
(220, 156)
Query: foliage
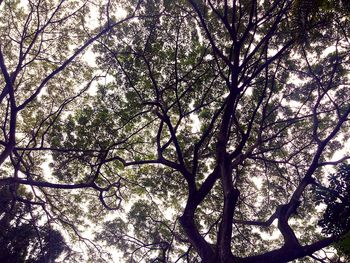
(200, 133)
(21, 240)
(343, 246)
(336, 218)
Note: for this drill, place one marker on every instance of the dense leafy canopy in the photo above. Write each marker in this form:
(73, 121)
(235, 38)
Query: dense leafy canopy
(20, 239)
(337, 215)
(336, 218)
(196, 131)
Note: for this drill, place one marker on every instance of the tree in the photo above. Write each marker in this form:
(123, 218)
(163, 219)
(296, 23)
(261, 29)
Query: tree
(21, 240)
(43, 48)
(212, 124)
(336, 218)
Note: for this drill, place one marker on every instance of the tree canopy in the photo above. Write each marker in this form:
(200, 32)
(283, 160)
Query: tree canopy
(21, 239)
(176, 131)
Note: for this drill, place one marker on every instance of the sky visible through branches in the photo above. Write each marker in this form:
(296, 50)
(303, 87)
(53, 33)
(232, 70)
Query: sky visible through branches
(174, 131)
